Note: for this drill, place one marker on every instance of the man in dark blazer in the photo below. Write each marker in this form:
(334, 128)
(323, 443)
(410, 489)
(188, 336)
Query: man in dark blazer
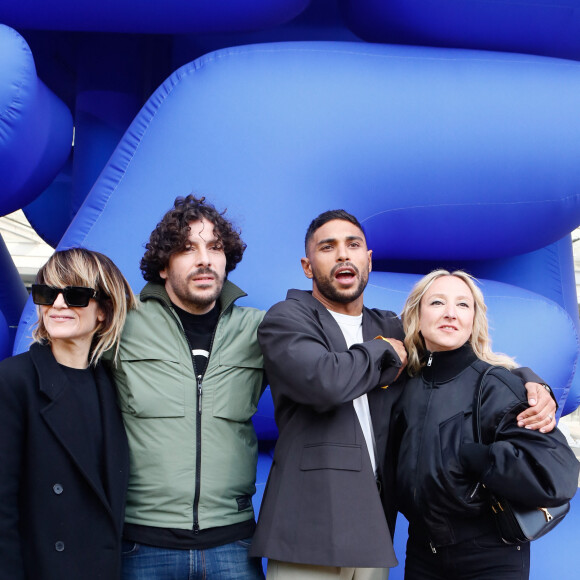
(331, 363)
(322, 506)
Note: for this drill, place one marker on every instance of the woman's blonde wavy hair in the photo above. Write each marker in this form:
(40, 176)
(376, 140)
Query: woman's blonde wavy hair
(479, 339)
(81, 267)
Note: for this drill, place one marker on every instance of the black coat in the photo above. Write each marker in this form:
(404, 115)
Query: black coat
(321, 505)
(59, 519)
(439, 466)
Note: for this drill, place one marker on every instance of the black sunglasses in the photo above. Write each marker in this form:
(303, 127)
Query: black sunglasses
(74, 296)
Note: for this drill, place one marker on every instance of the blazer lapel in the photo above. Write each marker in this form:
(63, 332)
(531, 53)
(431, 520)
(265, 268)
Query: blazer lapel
(379, 401)
(331, 329)
(338, 343)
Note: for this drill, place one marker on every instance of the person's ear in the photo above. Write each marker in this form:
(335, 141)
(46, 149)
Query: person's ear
(307, 267)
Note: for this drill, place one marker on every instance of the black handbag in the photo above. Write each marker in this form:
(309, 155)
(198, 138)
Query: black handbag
(516, 523)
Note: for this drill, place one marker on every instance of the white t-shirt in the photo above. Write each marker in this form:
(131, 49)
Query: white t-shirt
(351, 327)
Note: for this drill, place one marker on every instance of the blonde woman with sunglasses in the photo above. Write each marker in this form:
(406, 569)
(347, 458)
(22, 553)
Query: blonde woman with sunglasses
(64, 458)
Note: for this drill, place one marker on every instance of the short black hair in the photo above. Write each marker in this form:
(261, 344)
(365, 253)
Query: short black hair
(328, 216)
(172, 234)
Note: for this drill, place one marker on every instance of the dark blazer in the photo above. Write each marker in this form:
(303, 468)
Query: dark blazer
(322, 505)
(59, 520)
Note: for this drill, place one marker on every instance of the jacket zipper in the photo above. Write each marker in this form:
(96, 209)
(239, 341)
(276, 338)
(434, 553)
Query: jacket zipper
(199, 379)
(199, 388)
(427, 410)
(199, 393)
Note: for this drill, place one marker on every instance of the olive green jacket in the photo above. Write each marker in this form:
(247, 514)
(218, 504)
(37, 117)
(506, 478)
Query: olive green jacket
(192, 466)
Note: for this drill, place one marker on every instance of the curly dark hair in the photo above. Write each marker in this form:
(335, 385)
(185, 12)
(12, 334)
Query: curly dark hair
(172, 233)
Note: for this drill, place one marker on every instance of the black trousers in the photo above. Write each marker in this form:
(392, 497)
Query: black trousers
(483, 558)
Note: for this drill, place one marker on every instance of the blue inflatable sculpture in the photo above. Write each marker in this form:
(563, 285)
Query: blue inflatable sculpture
(452, 147)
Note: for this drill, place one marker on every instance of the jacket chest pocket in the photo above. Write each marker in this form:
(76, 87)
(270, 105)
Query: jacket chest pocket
(237, 387)
(452, 433)
(152, 387)
(450, 438)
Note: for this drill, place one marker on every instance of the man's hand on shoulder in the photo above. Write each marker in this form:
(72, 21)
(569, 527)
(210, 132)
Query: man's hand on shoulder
(541, 414)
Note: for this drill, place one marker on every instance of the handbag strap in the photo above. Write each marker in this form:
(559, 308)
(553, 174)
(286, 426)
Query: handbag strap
(476, 412)
(476, 415)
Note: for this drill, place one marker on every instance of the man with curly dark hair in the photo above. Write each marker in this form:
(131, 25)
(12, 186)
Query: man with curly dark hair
(189, 376)
(171, 236)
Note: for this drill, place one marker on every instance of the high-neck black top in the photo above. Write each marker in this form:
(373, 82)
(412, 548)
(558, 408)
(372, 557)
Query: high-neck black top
(444, 365)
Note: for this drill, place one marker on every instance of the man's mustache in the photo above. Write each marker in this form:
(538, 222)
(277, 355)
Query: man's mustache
(202, 271)
(344, 265)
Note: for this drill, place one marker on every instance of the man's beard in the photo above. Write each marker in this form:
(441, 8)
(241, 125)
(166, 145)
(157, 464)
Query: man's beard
(330, 292)
(191, 297)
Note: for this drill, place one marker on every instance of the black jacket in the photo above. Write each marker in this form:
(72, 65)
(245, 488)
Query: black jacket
(321, 505)
(59, 519)
(439, 465)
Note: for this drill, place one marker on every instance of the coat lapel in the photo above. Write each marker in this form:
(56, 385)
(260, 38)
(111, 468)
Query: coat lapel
(60, 413)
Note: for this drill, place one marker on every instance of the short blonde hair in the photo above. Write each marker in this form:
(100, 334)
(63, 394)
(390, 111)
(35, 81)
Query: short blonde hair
(81, 267)
(479, 339)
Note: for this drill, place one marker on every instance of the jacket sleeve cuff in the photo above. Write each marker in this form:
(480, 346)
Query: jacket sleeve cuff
(390, 358)
(474, 457)
(529, 376)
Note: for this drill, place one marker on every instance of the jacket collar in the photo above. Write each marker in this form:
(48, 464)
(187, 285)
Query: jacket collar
(230, 293)
(334, 334)
(445, 365)
(51, 379)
